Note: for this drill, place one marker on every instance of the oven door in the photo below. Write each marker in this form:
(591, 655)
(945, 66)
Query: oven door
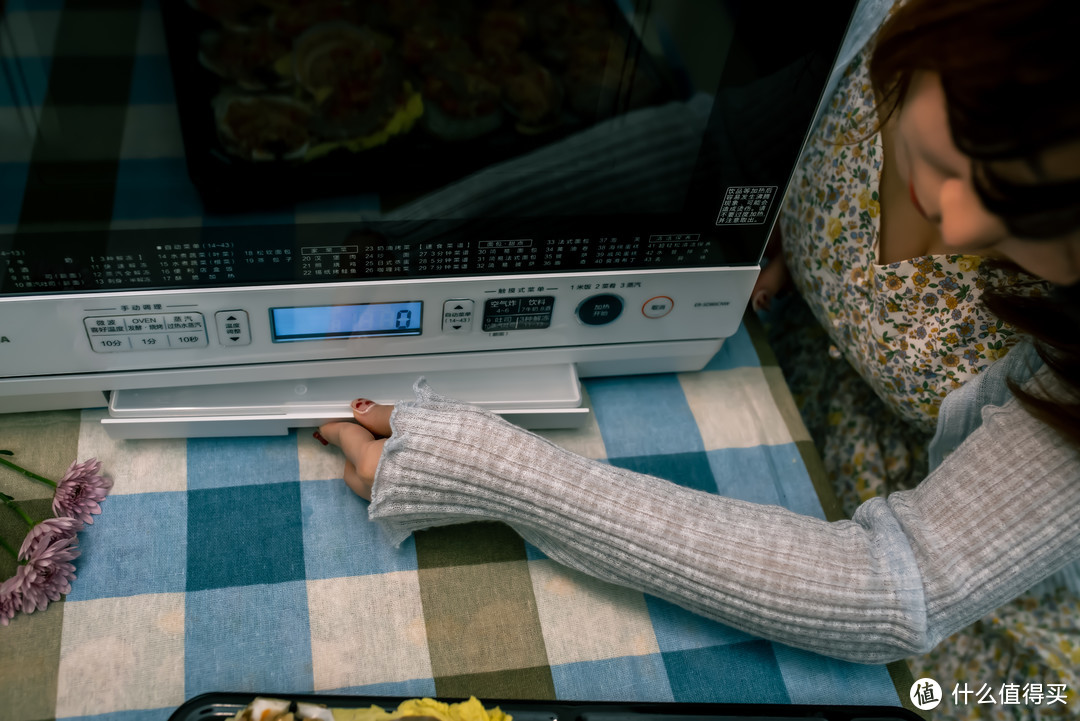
(202, 194)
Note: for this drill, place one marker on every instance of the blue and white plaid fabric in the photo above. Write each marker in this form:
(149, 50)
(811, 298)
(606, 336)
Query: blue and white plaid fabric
(245, 564)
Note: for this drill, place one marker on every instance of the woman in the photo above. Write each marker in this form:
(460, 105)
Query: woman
(892, 317)
(897, 307)
(996, 515)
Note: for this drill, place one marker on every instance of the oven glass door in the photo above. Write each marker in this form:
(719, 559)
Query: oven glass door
(212, 143)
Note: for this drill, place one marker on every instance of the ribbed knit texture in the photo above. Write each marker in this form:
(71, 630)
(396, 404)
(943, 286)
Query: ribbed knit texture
(1000, 514)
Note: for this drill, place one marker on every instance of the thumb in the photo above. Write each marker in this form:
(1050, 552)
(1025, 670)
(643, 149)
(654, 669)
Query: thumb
(373, 416)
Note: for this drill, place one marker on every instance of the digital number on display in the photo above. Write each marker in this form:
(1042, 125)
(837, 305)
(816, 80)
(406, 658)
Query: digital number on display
(333, 322)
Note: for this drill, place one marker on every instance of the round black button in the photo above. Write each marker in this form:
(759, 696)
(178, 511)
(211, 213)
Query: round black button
(600, 309)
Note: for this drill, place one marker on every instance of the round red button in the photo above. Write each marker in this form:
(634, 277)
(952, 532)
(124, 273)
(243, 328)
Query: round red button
(657, 307)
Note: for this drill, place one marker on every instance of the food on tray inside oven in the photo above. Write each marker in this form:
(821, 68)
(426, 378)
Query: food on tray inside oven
(559, 24)
(245, 57)
(428, 39)
(401, 14)
(297, 80)
(501, 33)
(462, 100)
(339, 57)
(237, 14)
(425, 709)
(531, 93)
(355, 83)
(291, 18)
(602, 76)
(263, 127)
(409, 108)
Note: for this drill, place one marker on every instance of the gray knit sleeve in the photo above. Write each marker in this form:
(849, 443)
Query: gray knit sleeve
(901, 575)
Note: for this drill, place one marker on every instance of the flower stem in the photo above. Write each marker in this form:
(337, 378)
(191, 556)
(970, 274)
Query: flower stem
(28, 474)
(9, 549)
(10, 503)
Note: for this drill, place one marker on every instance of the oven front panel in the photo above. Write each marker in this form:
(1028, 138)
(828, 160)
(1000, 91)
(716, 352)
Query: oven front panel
(177, 211)
(115, 332)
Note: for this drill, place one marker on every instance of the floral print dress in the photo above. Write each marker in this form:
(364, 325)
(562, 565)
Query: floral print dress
(870, 350)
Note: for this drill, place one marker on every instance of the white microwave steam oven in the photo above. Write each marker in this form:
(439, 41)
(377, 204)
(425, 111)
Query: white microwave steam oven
(213, 234)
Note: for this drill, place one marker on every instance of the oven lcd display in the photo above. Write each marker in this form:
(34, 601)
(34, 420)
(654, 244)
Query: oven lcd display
(332, 322)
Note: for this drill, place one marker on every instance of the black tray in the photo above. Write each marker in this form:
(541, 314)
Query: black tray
(223, 705)
(408, 165)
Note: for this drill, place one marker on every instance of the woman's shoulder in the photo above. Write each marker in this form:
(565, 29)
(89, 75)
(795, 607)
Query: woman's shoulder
(1012, 425)
(987, 396)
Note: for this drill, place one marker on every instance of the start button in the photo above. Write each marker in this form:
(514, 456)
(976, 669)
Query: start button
(600, 309)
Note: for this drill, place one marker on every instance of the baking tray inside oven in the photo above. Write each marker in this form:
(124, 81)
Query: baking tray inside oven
(224, 705)
(287, 102)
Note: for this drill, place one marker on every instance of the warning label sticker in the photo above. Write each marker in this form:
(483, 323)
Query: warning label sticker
(746, 205)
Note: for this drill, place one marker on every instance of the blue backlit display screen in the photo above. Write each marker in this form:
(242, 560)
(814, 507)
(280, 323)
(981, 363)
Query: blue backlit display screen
(333, 322)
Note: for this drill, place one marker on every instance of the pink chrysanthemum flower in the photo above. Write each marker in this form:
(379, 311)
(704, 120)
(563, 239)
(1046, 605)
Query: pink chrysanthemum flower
(47, 575)
(47, 531)
(10, 601)
(80, 491)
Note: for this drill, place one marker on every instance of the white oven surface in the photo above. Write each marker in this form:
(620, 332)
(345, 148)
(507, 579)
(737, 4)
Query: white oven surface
(141, 333)
(265, 359)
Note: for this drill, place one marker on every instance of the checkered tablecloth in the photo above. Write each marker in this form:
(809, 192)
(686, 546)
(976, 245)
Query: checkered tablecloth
(245, 564)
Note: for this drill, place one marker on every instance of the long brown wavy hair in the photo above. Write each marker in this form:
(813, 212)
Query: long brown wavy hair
(1009, 69)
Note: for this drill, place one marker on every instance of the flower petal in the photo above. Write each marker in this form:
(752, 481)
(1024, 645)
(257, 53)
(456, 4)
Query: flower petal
(47, 531)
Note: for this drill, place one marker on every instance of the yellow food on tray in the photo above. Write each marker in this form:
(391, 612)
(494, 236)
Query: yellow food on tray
(471, 710)
(272, 709)
(400, 122)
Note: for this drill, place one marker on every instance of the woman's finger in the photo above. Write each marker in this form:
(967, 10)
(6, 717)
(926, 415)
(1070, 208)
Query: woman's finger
(360, 484)
(772, 280)
(373, 416)
(362, 452)
(774, 277)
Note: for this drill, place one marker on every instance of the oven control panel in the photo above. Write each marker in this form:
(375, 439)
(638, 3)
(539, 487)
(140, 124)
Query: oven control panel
(205, 328)
(529, 313)
(161, 331)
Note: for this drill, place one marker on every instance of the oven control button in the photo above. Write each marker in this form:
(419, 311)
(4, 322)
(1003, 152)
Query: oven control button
(185, 330)
(187, 340)
(183, 322)
(600, 309)
(107, 334)
(507, 313)
(233, 327)
(110, 344)
(118, 333)
(151, 341)
(457, 316)
(144, 323)
(657, 307)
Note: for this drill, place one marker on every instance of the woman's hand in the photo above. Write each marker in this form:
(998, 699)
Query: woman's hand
(362, 444)
(774, 278)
